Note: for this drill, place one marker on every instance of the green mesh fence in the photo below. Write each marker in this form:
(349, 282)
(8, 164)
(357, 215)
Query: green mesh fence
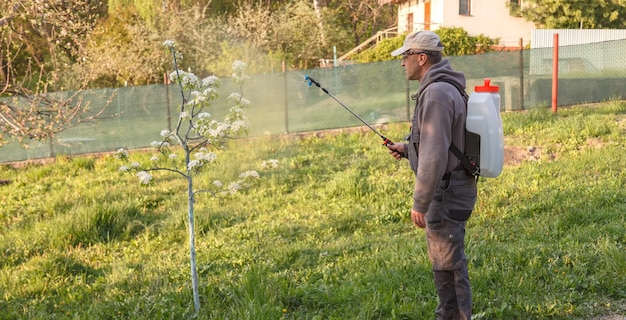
(378, 92)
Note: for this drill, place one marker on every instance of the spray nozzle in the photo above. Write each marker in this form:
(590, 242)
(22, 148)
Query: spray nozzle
(311, 81)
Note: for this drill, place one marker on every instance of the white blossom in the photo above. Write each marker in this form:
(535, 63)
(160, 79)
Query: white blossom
(207, 157)
(174, 75)
(197, 97)
(210, 92)
(236, 110)
(249, 174)
(239, 66)
(135, 165)
(173, 156)
(235, 96)
(169, 43)
(194, 164)
(121, 154)
(186, 79)
(214, 129)
(233, 187)
(124, 168)
(210, 81)
(204, 115)
(244, 102)
(144, 177)
(165, 133)
(269, 164)
(239, 125)
(154, 159)
(189, 80)
(217, 183)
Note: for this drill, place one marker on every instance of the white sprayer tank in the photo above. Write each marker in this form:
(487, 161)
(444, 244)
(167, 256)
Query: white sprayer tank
(483, 118)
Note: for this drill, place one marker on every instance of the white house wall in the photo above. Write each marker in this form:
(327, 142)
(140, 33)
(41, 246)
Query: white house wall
(544, 38)
(489, 17)
(580, 50)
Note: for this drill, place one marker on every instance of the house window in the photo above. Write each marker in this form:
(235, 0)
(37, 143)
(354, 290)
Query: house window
(464, 7)
(515, 8)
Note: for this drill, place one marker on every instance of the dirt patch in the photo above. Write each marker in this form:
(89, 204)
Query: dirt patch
(515, 155)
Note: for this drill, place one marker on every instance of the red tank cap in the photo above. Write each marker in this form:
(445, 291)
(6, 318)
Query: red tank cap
(487, 87)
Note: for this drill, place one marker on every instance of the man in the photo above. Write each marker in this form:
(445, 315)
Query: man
(445, 193)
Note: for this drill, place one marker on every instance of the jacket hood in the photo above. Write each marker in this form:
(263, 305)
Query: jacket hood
(442, 71)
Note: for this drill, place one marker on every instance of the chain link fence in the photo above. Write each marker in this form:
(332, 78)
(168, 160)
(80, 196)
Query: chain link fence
(378, 92)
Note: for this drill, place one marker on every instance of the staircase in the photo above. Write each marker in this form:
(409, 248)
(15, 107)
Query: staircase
(380, 35)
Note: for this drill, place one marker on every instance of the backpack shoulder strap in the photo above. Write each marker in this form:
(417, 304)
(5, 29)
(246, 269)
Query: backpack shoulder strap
(468, 164)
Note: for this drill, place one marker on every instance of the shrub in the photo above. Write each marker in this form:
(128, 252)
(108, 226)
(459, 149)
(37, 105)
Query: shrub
(456, 41)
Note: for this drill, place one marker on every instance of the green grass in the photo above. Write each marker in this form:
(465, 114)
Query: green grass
(327, 235)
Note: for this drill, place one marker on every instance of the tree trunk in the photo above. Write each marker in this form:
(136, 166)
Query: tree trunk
(192, 241)
(319, 20)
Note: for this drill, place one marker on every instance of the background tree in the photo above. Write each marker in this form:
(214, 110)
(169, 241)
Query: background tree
(123, 50)
(362, 18)
(296, 36)
(575, 14)
(41, 43)
(120, 39)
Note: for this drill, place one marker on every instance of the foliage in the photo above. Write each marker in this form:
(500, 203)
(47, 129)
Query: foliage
(40, 46)
(567, 14)
(112, 61)
(328, 236)
(252, 32)
(456, 42)
(40, 42)
(296, 37)
(381, 52)
(361, 18)
(121, 44)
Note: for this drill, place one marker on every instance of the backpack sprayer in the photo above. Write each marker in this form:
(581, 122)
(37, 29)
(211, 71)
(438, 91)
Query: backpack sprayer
(483, 133)
(312, 81)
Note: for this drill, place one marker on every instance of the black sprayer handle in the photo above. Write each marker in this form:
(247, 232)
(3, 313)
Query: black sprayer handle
(312, 81)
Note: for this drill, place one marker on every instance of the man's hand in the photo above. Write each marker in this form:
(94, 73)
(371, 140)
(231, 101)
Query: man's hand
(396, 150)
(418, 219)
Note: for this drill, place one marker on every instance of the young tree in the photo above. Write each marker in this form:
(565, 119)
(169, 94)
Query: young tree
(575, 14)
(199, 137)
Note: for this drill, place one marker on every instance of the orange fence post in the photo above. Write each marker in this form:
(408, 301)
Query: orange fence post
(555, 72)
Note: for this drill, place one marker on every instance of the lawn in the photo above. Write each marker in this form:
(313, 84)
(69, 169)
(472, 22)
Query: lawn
(326, 235)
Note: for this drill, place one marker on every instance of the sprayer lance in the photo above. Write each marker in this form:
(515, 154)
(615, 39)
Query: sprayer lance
(312, 81)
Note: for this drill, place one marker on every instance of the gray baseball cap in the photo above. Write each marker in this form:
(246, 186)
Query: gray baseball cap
(420, 40)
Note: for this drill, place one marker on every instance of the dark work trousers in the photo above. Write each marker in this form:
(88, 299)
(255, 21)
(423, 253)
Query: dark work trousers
(445, 235)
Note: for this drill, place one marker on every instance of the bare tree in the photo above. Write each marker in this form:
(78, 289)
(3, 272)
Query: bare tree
(41, 41)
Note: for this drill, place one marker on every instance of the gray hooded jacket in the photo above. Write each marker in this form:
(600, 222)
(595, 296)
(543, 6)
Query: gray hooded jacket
(438, 121)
